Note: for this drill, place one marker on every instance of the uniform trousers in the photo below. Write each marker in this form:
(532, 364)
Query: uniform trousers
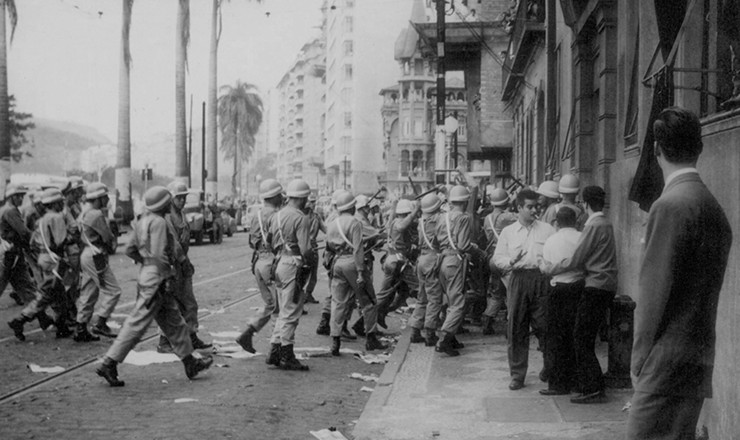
(14, 270)
(345, 291)
(396, 270)
(452, 279)
(662, 417)
(51, 290)
(496, 297)
(313, 276)
(561, 317)
(99, 289)
(591, 313)
(267, 290)
(527, 304)
(290, 311)
(429, 299)
(162, 309)
(71, 280)
(182, 292)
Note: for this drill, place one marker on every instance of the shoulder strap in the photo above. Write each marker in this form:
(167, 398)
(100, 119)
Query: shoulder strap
(344, 237)
(449, 232)
(492, 223)
(53, 256)
(424, 234)
(262, 228)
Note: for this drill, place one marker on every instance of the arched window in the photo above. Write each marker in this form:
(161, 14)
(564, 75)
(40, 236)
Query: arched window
(417, 162)
(404, 163)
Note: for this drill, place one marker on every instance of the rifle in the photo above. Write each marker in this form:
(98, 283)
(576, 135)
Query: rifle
(413, 187)
(377, 193)
(435, 189)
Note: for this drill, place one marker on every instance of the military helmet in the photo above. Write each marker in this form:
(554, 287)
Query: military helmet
(96, 190)
(345, 201)
(73, 183)
(13, 189)
(499, 197)
(404, 206)
(51, 195)
(298, 188)
(156, 198)
(269, 188)
(335, 195)
(430, 203)
(548, 188)
(178, 188)
(361, 201)
(569, 184)
(459, 193)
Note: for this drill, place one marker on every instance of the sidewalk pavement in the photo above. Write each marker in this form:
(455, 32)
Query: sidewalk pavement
(427, 395)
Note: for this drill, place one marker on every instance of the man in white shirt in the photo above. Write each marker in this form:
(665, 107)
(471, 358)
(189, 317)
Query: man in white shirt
(519, 251)
(562, 305)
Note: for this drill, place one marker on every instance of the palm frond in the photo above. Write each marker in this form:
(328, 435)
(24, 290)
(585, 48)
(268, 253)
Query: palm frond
(240, 116)
(13, 16)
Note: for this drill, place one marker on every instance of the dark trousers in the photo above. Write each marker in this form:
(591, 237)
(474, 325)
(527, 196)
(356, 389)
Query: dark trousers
(527, 305)
(590, 316)
(561, 316)
(659, 417)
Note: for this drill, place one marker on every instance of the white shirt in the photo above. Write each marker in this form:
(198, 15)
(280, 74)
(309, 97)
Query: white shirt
(558, 247)
(677, 173)
(517, 239)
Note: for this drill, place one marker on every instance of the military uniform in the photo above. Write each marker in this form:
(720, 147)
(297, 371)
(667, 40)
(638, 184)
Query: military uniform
(316, 225)
(13, 268)
(429, 299)
(493, 224)
(397, 266)
(259, 240)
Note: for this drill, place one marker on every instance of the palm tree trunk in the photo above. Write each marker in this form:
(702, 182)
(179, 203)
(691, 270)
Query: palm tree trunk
(123, 160)
(211, 107)
(234, 177)
(4, 107)
(181, 150)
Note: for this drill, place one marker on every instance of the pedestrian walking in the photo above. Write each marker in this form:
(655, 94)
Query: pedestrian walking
(99, 288)
(518, 251)
(687, 245)
(263, 260)
(155, 248)
(182, 283)
(428, 310)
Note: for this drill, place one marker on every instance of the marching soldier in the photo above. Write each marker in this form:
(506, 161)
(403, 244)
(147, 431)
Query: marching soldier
(290, 231)
(263, 259)
(345, 237)
(429, 299)
(16, 236)
(316, 225)
(182, 288)
(49, 241)
(154, 246)
(72, 209)
(97, 280)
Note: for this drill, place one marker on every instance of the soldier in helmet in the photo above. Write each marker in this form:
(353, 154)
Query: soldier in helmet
(548, 201)
(154, 246)
(99, 289)
(290, 231)
(73, 193)
(345, 237)
(493, 224)
(48, 240)
(260, 240)
(567, 188)
(182, 286)
(316, 225)
(453, 233)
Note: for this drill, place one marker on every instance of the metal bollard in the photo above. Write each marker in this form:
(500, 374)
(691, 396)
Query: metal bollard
(621, 327)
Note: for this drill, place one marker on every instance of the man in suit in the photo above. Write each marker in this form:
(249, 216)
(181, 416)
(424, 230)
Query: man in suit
(687, 244)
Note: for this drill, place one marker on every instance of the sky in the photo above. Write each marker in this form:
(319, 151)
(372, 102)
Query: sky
(63, 62)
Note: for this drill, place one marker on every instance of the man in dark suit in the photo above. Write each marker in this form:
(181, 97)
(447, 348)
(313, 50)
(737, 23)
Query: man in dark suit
(687, 243)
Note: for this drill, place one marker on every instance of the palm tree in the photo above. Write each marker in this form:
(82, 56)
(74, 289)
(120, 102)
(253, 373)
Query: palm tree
(123, 160)
(5, 134)
(211, 127)
(182, 39)
(240, 116)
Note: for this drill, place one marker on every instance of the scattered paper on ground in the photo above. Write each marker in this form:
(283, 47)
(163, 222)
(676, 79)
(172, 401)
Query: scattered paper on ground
(233, 351)
(312, 352)
(39, 369)
(185, 400)
(114, 324)
(149, 357)
(373, 358)
(252, 289)
(220, 342)
(364, 378)
(327, 434)
(366, 389)
(227, 334)
(627, 406)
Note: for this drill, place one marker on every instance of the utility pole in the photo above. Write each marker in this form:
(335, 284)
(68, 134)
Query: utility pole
(203, 172)
(441, 92)
(454, 143)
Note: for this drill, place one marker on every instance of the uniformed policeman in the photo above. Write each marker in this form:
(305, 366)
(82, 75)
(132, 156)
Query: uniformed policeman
(73, 193)
(260, 241)
(344, 236)
(155, 248)
(454, 236)
(429, 299)
(316, 225)
(99, 289)
(494, 222)
(290, 231)
(548, 200)
(568, 188)
(48, 240)
(182, 286)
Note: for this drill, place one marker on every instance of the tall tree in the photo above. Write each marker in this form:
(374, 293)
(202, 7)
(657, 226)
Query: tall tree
(240, 117)
(181, 59)
(123, 158)
(211, 127)
(6, 6)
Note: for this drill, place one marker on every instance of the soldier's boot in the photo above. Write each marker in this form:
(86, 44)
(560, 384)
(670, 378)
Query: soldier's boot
(45, 320)
(416, 336)
(323, 328)
(274, 357)
(18, 300)
(101, 328)
(346, 334)
(487, 324)
(431, 339)
(245, 340)
(17, 326)
(335, 344)
(198, 344)
(83, 335)
(194, 365)
(372, 343)
(310, 299)
(359, 327)
(63, 330)
(456, 344)
(288, 360)
(108, 371)
(164, 345)
(399, 301)
(445, 345)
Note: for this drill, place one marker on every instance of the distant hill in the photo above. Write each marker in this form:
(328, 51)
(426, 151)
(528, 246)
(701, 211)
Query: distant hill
(56, 146)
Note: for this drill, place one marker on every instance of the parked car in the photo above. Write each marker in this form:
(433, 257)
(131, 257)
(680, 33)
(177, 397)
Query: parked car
(203, 220)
